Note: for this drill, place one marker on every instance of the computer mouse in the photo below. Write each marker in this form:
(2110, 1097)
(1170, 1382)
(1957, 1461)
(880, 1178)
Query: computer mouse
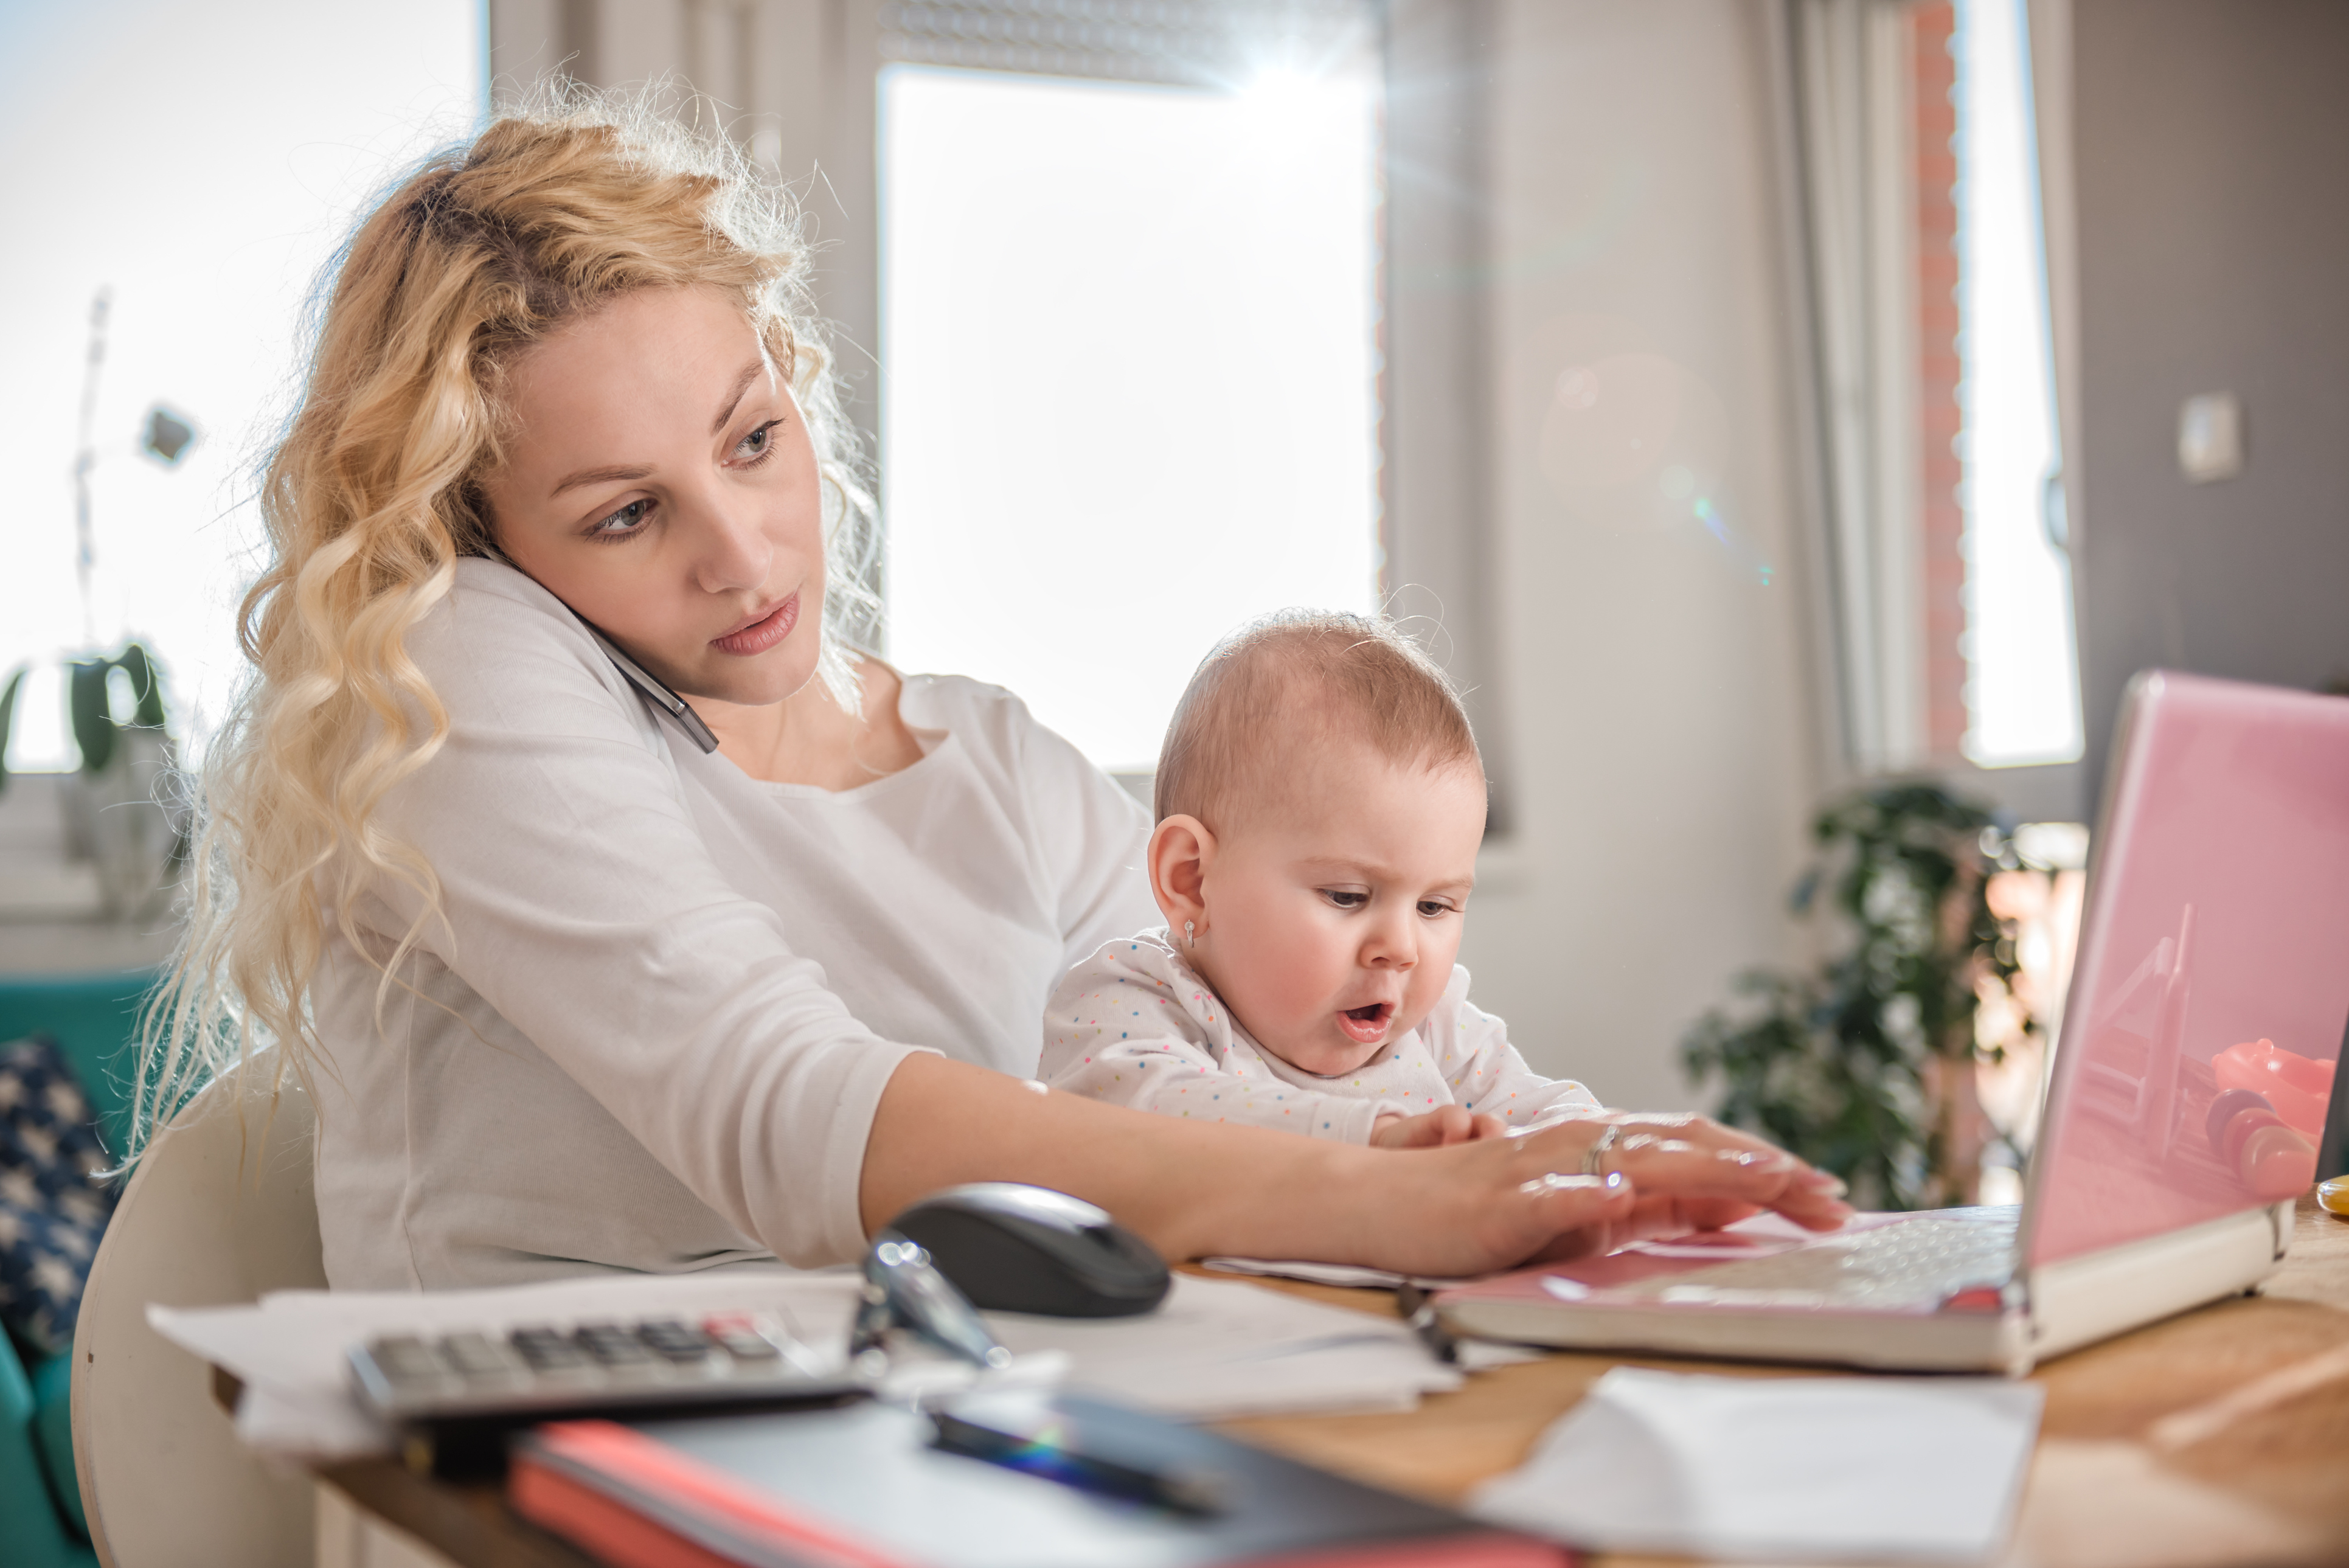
(1012, 1248)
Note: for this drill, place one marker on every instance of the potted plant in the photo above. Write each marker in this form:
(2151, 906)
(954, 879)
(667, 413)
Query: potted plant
(1865, 1067)
(116, 817)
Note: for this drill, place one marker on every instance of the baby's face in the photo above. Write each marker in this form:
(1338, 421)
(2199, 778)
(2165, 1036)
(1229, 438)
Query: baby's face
(1333, 921)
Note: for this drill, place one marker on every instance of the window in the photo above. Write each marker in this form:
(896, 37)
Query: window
(2023, 690)
(1128, 391)
(197, 164)
(1936, 402)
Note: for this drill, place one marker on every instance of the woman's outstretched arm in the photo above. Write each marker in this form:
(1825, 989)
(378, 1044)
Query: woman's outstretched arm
(1193, 1189)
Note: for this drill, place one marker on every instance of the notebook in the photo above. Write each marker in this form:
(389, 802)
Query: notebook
(868, 1486)
(2186, 1100)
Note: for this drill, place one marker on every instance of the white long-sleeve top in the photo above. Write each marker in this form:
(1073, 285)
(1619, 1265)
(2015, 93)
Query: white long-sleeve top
(653, 1026)
(1136, 1025)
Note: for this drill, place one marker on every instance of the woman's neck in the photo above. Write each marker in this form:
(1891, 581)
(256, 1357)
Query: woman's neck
(809, 739)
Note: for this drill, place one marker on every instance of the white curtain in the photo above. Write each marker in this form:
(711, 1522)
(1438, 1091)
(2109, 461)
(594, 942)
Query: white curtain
(1855, 151)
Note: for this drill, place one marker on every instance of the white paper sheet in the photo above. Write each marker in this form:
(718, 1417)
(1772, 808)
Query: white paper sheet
(1819, 1469)
(1219, 1349)
(1350, 1276)
(1216, 1349)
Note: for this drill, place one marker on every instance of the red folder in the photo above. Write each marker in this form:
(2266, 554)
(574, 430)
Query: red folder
(863, 1488)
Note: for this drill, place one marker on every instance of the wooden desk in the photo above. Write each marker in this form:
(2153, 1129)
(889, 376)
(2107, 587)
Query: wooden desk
(2220, 1437)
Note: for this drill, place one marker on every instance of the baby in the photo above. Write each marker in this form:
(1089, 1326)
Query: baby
(1320, 803)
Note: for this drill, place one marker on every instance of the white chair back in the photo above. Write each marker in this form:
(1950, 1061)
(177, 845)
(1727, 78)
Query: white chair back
(221, 1209)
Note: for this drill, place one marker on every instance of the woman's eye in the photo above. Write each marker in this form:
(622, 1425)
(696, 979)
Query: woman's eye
(759, 442)
(622, 522)
(1344, 899)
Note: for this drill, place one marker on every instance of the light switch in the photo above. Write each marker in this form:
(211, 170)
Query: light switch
(2210, 437)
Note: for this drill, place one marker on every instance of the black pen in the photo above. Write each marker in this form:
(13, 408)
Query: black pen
(1417, 1309)
(1182, 1490)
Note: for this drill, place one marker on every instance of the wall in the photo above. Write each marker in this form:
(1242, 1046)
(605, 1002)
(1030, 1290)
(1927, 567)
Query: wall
(2210, 144)
(1659, 690)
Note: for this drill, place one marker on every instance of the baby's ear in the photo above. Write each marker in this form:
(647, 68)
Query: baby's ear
(1181, 849)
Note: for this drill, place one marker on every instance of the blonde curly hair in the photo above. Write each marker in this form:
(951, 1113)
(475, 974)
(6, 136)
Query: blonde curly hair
(375, 492)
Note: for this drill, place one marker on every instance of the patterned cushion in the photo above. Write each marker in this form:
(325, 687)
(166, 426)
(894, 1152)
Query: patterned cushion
(53, 1207)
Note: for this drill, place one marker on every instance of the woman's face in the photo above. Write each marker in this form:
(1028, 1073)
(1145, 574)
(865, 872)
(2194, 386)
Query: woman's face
(661, 483)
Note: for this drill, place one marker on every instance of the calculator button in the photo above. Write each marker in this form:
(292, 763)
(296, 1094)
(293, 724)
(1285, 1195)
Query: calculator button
(479, 1358)
(674, 1341)
(738, 1342)
(544, 1350)
(403, 1358)
(612, 1347)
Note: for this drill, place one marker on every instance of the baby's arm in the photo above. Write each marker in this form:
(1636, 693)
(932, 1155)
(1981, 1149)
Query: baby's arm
(1123, 1029)
(1489, 1078)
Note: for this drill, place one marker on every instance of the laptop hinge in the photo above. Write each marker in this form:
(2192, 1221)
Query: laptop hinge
(2079, 1301)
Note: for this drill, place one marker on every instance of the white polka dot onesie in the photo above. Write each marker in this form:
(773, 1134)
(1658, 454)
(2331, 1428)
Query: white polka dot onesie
(1134, 1024)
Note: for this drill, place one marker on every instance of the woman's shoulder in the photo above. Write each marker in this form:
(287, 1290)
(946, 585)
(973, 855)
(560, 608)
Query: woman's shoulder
(497, 640)
(489, 600)
(989, 720)
(931, 701)
(492, 610)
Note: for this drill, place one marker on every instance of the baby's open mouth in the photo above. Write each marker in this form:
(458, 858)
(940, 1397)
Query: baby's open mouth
(1366, 1023)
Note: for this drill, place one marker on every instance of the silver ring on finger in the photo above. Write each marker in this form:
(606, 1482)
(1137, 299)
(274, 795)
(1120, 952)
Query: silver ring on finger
(1594, 1156)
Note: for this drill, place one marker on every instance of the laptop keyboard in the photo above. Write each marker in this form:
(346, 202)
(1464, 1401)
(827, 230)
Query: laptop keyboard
(1911, 1265)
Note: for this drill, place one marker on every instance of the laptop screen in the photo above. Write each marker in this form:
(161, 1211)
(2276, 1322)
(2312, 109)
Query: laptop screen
(2207, 1007)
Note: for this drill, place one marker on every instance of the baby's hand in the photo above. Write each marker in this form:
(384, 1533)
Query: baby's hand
(1434, 1129)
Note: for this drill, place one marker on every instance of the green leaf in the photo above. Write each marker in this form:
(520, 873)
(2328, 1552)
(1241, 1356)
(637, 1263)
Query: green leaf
(93, 723)
(141, 670)
(8, 719)
(96, 729)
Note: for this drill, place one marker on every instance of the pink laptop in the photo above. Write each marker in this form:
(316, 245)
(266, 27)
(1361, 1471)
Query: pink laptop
(2185, 1105)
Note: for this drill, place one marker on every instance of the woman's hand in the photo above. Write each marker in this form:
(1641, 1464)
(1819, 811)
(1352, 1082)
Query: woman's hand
(1691, 1173)
(1546, 1196)
(1434, 1129)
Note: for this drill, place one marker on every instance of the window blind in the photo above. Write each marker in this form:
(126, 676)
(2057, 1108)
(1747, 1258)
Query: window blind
(1201, 43)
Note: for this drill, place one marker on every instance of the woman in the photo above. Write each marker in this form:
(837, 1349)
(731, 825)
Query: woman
(573, 992)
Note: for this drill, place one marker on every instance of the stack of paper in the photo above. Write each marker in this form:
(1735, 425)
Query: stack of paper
(1214, 1350)
(1218, 1349)
(1350, 1276)
(1817, 1469)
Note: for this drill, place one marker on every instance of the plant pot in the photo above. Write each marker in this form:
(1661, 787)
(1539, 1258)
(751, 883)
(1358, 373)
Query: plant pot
(116, 818)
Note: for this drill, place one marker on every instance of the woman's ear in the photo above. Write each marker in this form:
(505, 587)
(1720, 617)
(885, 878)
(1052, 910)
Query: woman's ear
(1180, 852)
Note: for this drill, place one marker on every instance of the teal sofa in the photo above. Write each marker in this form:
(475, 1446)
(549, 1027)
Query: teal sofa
(93, 1019)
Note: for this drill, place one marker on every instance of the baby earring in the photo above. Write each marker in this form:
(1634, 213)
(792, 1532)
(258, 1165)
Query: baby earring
(1190, 934)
